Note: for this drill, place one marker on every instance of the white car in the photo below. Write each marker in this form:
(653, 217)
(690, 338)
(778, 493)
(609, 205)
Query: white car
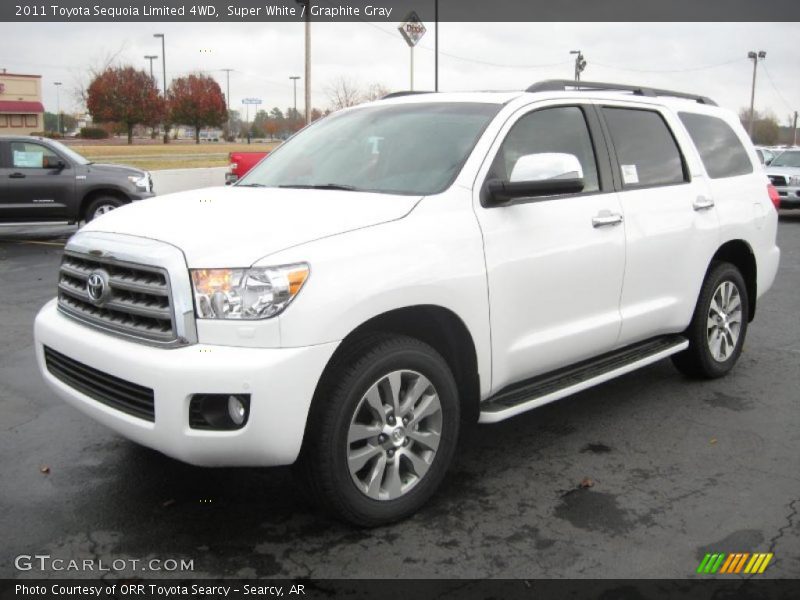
(407, 264)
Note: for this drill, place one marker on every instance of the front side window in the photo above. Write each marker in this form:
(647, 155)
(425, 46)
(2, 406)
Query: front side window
(561, 130)
(26, 155)
(415, 148)
(720, 149)
(646, 151)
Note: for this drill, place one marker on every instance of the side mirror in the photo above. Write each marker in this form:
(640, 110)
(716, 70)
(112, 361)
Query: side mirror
(544, 174)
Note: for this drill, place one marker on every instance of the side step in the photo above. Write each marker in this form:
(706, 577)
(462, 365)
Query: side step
(555, 385)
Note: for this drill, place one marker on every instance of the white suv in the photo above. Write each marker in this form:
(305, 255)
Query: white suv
(402, 266)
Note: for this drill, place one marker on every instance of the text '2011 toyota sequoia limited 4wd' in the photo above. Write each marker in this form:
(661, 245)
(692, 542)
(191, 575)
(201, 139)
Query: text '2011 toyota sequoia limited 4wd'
(399, 267)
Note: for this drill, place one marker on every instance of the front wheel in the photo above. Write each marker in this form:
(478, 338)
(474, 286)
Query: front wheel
(100, 206)
(384, 433)
(717, 331)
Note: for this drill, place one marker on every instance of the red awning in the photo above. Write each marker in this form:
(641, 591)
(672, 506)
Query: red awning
(19, 106)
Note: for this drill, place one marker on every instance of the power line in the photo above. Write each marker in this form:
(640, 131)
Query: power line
(774, 87)
(686, 70)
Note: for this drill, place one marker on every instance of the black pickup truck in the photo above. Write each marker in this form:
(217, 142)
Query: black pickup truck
(44, 180)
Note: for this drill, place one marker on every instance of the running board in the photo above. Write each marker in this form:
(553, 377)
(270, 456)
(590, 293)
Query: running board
(552, 386)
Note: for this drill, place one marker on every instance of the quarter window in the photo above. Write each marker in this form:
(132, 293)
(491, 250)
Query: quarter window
(646, 151)
(720, 148)
(25, 155)
(561, 129)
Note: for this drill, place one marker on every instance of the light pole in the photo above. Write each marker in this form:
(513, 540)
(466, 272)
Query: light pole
(228, 96)
(755, 57)
(164, 72)
(294, 79)
(306, 4)
(436, 46)
(151, 58)
(580, 63)
(58, 104)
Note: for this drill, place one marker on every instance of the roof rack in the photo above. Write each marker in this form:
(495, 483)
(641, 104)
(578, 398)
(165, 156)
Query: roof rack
(404, 93)
(561, 85)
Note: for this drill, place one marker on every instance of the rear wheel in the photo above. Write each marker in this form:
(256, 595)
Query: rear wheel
(719, 325)
(382, 437)
(100, 206)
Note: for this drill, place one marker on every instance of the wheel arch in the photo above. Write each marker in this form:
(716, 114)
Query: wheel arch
(435, 325)
(740, 254)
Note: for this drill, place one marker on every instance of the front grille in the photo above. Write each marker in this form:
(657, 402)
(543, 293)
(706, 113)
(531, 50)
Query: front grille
(130, 398)
(137, 302)
(777, 179)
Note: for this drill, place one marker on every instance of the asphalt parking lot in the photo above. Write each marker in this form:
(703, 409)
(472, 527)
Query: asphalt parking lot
(679, 468)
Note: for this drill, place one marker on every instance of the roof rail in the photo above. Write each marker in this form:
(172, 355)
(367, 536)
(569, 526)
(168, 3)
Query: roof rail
(561, 85)
(403, 93)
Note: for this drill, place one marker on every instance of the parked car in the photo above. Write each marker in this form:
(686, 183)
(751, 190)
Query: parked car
(784, 173)
(404, 266)
(240, 163)
(44, 180)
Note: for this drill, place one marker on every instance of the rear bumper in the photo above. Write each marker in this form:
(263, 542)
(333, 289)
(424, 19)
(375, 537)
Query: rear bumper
(280, 381)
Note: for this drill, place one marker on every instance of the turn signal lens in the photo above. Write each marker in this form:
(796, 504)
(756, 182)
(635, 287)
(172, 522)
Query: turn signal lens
(774, 196)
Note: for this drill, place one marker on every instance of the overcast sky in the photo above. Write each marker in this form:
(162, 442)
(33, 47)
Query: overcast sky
(705, 58)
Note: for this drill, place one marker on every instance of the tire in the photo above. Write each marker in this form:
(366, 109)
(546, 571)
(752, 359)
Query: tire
(716, 336)
(100, 206)
(369, 469)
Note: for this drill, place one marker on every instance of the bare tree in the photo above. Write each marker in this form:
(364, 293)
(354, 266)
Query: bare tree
(84, 78)
(343, 92)
(375, 91)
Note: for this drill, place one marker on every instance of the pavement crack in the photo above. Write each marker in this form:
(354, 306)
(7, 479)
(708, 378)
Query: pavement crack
(790, 522)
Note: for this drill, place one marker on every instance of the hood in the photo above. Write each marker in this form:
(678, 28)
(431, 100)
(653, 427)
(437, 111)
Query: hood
(785, 171)
(122, 170)
(231, 227)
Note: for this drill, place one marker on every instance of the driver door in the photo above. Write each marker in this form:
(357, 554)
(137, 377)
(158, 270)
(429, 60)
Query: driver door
(555, 264)
(36, 187)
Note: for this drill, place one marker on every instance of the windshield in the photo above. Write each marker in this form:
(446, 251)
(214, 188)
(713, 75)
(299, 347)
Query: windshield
(786, 159)
(393, 149)
(71, 154)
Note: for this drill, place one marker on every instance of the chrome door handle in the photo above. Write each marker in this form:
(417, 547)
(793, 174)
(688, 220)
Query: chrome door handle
(605, 218)
(702, 203)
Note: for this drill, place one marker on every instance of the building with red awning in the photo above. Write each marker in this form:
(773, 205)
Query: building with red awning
(21, 109)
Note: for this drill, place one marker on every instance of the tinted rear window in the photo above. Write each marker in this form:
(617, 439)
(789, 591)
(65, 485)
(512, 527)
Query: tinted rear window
(647, 153)
(720, 148)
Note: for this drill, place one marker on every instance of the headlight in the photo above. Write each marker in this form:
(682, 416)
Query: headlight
(256, 293)
(140, 181)
(794, 180)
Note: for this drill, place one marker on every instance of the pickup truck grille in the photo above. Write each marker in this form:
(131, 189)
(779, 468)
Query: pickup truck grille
(778, 180)
(117, 393)
(134, 300)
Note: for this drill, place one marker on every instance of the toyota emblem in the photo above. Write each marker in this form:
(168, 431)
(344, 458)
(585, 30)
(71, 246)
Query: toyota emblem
(97, 287)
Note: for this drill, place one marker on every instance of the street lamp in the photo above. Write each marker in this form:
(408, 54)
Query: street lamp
(580, 63)
(151, 58)
(307, 4)
(164, 71)
(755, 57)
(58, 104)
(294, 79)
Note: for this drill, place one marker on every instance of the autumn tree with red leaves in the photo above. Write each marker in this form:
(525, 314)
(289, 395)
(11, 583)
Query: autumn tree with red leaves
(197, 100)
(124, 95)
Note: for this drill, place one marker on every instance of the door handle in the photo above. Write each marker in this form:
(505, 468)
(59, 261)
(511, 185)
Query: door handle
(702, 203)
(605, 218)
(17, 176)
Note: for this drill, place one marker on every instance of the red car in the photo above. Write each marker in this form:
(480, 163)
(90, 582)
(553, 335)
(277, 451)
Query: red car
(241, 163)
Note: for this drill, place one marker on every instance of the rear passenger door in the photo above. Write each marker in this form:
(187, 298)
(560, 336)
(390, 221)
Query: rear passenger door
(671, 223)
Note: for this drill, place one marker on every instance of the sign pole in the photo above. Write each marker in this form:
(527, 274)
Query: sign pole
(412, 30)
(412, 68)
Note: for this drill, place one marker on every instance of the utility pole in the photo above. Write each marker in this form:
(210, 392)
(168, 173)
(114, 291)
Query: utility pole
(794, 129)
(164, 71)
(228, 96)
(755, 57)
(306, 4)
(151, 58)
(580, 63)
(58, 105)
(436, 46)
(294, 79)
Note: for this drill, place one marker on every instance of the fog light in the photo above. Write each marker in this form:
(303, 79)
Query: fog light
(236, 410)
(222, 412)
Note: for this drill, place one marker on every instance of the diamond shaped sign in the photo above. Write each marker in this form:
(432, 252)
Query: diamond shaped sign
(412, 29)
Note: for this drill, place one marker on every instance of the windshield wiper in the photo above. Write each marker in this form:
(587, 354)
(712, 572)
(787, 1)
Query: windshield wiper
(322, 186)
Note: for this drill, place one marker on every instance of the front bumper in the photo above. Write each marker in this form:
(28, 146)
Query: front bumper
(790, 196)
(280, 381)
(138, 195)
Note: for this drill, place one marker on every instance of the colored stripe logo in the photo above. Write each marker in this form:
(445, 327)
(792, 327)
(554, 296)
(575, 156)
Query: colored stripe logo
(737, 562)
